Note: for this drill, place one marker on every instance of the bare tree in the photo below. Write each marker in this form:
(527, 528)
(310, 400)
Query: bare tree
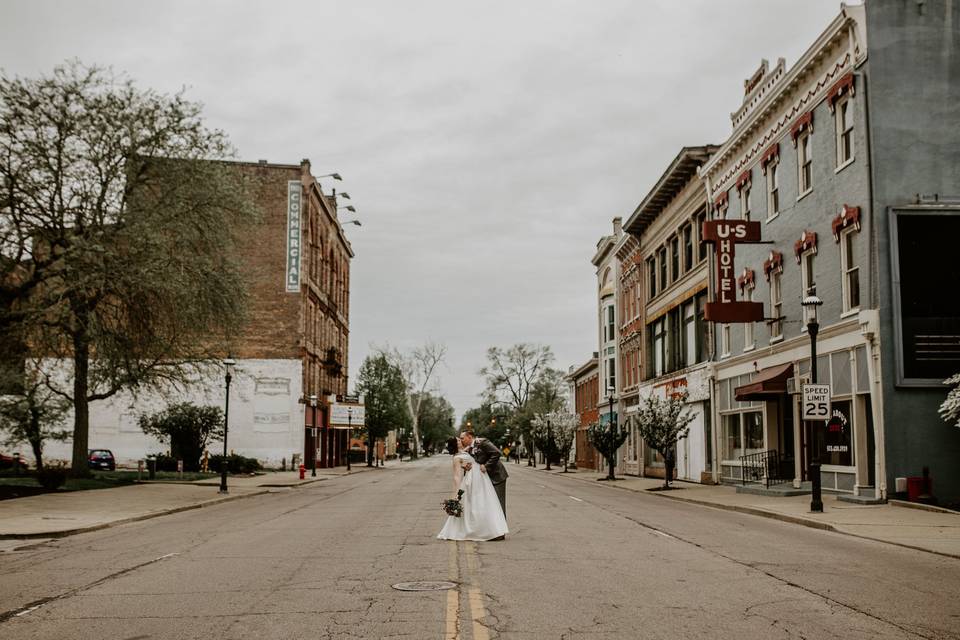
(512, 373)
(518, 377)
(116, 234)
(418, 368)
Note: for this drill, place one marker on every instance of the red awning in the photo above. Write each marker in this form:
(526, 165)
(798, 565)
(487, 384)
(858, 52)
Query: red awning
(769, 383)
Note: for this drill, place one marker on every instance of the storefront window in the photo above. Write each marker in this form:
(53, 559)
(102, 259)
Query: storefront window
(837, 436)
(753, 431)
(741, 429)
(732, 439)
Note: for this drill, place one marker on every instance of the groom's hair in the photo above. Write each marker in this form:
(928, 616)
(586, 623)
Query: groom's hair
(468, 432)
(453, 445)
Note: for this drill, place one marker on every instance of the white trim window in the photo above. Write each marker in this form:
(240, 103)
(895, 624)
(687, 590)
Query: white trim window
(745, 202)
(611, 328)
(843, 114)
(659, 346)
(725, 340)
(773, 189)
(808, 280)
(804, 163)
(776, 306)
(748, 341)
(850, 270)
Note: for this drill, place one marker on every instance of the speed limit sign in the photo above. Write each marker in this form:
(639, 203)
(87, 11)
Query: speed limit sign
(816, 402)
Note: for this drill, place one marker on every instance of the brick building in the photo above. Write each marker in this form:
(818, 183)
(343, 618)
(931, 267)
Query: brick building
(670, 305)
(294, 345)
(585, 391)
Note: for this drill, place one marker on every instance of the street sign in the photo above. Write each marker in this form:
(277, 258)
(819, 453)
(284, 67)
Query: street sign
(816, 402)
(343, 415)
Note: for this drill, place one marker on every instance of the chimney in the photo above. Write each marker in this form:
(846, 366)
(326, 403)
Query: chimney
(617, 226)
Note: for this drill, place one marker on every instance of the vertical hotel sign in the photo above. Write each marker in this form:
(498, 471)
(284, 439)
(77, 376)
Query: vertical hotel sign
(294, 208)
(725, 235)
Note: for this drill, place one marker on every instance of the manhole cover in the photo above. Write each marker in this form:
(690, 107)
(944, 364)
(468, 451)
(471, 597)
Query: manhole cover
(424, 586)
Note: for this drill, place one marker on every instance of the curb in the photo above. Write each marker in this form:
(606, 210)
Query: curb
(106, 525)
(806, 522)
(921, 506)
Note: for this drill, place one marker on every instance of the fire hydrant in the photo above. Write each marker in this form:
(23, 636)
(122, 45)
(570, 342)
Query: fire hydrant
(303, 472)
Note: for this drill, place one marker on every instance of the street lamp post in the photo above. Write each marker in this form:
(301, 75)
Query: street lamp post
(612, 462)
(810, 305)
(549, 444)
(313, 406)
(349, 433)
(228, 364)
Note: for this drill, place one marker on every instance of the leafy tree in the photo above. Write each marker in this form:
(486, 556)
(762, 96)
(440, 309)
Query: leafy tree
(950, 408)
(488, 422)
(607, 439)
(436, 421)
(516, 375)
(566, 425)
(117, 231)
(385, 398)
(33, 414)
(187, 428)
(661, 422)
(418, 368)
(544, 436)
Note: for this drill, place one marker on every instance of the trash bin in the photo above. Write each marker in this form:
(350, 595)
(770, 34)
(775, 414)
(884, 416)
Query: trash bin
(916, 488)
(152, 468)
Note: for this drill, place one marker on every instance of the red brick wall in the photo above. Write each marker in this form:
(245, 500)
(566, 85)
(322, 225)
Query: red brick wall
(307, 325)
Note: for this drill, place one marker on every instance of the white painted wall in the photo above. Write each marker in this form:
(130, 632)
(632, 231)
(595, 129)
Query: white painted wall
(266, 419)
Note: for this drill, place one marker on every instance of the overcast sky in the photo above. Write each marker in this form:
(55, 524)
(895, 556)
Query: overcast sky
(487, 145)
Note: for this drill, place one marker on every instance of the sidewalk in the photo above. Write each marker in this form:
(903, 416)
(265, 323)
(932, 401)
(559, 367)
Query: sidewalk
(65, 513)
(924, 530)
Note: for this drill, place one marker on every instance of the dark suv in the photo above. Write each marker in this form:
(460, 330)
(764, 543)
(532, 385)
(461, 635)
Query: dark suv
(101, 459)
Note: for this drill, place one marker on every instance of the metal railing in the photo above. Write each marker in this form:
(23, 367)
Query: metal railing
(763, 467)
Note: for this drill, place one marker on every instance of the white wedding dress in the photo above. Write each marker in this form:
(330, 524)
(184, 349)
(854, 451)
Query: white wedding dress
(482, 517)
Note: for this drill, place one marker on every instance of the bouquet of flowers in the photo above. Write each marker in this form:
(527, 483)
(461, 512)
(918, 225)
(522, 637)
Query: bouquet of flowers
(453, 506)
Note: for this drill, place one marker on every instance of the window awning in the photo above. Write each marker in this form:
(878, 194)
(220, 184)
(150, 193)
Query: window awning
(769, 383)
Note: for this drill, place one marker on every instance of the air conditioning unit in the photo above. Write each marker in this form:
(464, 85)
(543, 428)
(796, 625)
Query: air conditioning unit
(795, 383)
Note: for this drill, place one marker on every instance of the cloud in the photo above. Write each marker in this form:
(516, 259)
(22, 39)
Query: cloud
(486, 145)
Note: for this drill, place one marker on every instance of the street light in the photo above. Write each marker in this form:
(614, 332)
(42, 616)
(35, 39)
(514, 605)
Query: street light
(349, 433)
(612, 463)
(810, 305)
(356, 222)
(313, 406)
(343, 194)
(549, 444)
(350, 208)
(335, 176)
(228, 363)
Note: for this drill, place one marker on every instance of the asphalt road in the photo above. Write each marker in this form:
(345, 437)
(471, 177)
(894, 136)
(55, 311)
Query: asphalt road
(582, 560)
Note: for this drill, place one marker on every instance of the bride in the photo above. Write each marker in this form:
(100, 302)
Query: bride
(482, 517)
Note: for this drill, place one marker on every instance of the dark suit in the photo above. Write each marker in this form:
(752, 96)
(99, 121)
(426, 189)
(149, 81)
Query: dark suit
(487, 454)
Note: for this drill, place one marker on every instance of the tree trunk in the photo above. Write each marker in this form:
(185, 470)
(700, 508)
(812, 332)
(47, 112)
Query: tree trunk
(36, 441)
(415, 427)
(81, 406)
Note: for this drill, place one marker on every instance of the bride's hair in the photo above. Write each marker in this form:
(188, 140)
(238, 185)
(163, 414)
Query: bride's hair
(453, 446)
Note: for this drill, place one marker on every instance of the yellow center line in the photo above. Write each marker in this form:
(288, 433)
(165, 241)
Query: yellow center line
(452, 630)
(475, 597)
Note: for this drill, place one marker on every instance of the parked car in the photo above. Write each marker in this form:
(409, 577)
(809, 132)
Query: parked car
(7, 462)
(101, 459)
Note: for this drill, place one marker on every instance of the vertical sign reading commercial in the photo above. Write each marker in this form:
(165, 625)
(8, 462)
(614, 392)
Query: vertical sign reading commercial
(294, 208)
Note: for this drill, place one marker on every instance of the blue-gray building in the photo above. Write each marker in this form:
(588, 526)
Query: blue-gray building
(850, 159)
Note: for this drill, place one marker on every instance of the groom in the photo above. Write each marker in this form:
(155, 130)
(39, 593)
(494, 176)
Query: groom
(487, 454)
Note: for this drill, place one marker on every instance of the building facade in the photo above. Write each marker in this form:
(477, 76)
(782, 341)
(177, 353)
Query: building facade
(671, 267)
(293, 347)
(584, 384)
(608, 334)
